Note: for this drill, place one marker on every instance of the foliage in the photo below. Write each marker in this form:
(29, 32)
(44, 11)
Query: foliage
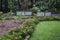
(21, 32)
(49, 5)
(42, 5)
(54, 5)
(34, 9)
(41, 18)
(45, 18)
(19, 17)
(12, 4)
(15, 17)
(57, 18)
(25, 29)
(3, 18)
(50, 18)
(1, 13)
(5, 15)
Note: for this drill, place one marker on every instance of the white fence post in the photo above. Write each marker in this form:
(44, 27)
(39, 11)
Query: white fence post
(40, 13)
(47, 13)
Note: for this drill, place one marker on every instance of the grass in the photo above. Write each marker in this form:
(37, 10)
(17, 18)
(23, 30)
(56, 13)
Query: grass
(48, 30)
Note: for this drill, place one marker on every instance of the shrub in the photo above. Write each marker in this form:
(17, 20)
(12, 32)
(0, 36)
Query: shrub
(41, 18)
(29, 22)
(15, 17)
(1, 13)
(2, 17)
(56, 18)
(35, 18)
(11, 37)
(34, 9)
(19, 17)
(49, 18)
(21, 32)
(28, 26)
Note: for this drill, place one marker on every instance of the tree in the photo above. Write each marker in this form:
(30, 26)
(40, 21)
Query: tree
(25, 4)
(50, 5)
(22, 4)
(4, 5)
(42, 5)
(0, 4)
(54, 5)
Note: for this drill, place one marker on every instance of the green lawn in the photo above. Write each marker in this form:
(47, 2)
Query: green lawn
(48, 30)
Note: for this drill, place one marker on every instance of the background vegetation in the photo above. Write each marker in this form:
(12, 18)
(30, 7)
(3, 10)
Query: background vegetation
(43, 5)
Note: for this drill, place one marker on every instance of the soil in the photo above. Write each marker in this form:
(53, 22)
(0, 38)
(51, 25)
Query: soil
(8, 24)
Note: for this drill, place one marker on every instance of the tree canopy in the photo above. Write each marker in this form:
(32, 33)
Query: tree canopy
(50, 5)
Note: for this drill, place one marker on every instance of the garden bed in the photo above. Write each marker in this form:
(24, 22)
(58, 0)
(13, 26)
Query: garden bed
(8, 24)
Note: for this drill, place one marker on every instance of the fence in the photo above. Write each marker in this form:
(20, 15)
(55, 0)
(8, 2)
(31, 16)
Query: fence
(29, 13)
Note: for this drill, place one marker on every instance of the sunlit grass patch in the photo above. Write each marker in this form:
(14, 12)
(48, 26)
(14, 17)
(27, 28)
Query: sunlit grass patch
(49, 30)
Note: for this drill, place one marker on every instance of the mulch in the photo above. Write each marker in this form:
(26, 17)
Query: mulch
(8, 24)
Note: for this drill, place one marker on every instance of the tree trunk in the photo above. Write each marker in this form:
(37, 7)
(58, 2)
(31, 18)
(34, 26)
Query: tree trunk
(32, 3)
(22, 5)
(0, 5)
(6, 5)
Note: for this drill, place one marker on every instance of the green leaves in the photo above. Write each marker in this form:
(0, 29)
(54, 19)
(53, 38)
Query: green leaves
(42, 5)
(12, 4)
(48, 5)
(34, 9)
(21, 32)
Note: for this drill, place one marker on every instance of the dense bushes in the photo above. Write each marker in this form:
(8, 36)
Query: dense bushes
(1, 13)
(57, 18)
(34, 9)
(48, 18)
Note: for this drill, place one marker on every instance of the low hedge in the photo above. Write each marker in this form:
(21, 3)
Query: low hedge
(47, 18)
